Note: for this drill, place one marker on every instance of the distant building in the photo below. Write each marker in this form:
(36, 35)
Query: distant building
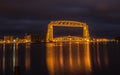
(27, 38)
(1, 41)
(33, 38)
(8, 39)
(117, 38)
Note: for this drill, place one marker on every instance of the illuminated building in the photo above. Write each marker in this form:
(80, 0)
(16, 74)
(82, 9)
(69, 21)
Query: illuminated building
(33, 38)
(8, 39)
(27, 38)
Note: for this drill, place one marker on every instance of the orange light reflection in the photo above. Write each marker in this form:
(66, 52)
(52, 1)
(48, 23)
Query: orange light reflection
(68, 58)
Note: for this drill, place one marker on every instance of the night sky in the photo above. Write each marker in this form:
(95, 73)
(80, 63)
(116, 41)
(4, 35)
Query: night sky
(18, 17)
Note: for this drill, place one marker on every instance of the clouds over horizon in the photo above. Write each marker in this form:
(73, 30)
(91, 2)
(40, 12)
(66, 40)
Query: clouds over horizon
(55, 8)
(23, 15)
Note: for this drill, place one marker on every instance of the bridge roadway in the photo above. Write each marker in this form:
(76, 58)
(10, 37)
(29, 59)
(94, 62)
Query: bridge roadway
(69, 39)
(80, 39)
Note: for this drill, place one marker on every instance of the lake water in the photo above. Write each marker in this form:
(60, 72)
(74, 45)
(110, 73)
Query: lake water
(72, 58)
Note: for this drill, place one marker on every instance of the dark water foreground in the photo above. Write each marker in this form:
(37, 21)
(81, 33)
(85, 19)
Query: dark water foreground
(60, 59)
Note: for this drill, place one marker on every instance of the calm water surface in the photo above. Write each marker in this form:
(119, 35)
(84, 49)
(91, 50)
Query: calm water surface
(70, 58)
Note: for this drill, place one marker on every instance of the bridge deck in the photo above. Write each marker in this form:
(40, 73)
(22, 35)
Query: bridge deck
(69, 38)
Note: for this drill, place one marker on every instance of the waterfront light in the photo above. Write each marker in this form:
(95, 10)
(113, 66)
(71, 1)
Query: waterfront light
(14, 40)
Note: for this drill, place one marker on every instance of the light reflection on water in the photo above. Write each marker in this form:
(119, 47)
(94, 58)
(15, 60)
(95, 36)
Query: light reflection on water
(9, 59)
(27, 57)
(70, 58)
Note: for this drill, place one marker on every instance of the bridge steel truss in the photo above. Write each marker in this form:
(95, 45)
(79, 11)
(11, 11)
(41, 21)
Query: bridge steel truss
(64, 23)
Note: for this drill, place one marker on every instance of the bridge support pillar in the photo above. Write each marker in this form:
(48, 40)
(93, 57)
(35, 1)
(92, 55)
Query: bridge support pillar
(49, 33)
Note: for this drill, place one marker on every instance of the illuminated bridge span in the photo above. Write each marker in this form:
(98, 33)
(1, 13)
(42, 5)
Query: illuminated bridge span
(69, 38)
(62, 23)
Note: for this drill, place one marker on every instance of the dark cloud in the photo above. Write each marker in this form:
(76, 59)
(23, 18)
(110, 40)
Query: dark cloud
(30, 15)
(48, 8)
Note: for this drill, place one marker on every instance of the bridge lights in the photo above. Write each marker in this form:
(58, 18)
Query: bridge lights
(87, 40)
(50, 38)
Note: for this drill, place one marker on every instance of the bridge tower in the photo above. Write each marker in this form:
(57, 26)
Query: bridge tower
(49, 33)
(64, 23)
